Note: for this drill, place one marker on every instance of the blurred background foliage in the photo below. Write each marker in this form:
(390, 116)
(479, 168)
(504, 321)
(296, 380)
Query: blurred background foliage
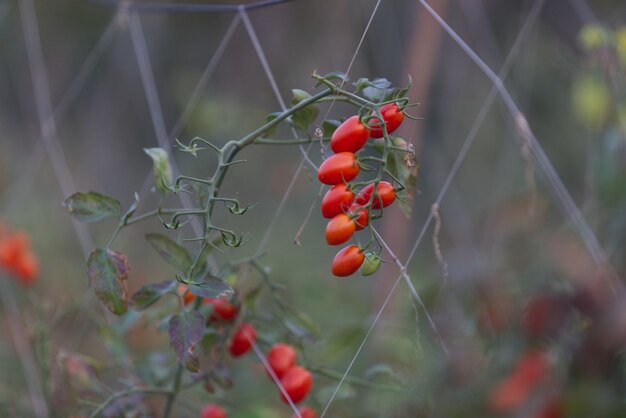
(520, 278)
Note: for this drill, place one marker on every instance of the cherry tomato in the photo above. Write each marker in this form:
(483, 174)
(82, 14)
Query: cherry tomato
(386, 192)
(12, 248)
(531, 370)
(361, 216)
(223, 310)
(28, 268)
(188, 297)
(297, 382)
(371, 264)
(336, 200)
(338, 168)
(349, 136)
(242, 340)
(281, 358)
(306, 412)
(347, 261)
(213, 411)
(393, 117)
(339, 229)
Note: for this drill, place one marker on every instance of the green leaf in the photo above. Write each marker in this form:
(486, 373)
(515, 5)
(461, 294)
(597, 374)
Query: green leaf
(172, 252)
(270, 118)
(377, 89)
(404, 167)
(162, 168)
(151, 293)
(212, 287)
(92, 206)
(185, 331)
(335, 76)
(378, 145)
(107, 272)
(329, 126)
(362, 83)
(374, 90)
(303, 118)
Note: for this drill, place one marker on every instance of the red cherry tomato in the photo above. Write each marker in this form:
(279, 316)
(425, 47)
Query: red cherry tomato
(349, 136)
(27, 269)
(338, 168)
(361, 216)
(531, 370)
(347, 261)
(386, 192)
(306, 412)
(213, 411)
(242, 340)
(281, 358)
(393, 117)
(188, 297)
(336, 200)
(223, 310)
(339, 229)
(297, 382)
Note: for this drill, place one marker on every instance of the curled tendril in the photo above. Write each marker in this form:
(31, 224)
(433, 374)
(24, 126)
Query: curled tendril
(174, 224)
(236, 209)
(231, 240)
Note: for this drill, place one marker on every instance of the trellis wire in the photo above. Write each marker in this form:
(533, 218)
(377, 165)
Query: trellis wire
(145, 7)
(557, 188)
(305, 156)
(455, 167)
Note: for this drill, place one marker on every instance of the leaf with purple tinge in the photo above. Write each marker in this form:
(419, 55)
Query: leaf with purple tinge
(185, 331)
(107, 272)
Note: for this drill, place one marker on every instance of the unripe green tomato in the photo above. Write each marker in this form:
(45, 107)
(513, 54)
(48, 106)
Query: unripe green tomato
(371, 264)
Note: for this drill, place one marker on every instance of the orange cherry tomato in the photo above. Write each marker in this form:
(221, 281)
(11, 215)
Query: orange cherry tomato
(347, 261)
(188, 297)
(339, 229)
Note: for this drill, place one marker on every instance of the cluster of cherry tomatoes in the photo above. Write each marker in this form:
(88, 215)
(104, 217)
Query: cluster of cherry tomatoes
(296, 380)
(225, 311)
(349, 212)
(16, 255)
